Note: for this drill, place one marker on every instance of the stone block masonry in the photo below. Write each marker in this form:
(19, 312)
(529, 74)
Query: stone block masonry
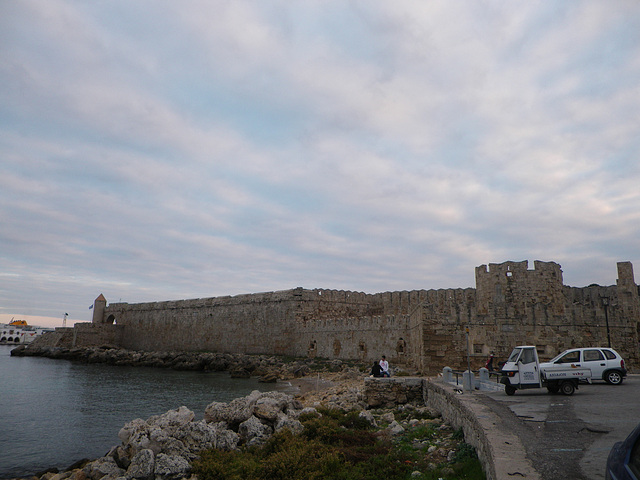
(422, 329)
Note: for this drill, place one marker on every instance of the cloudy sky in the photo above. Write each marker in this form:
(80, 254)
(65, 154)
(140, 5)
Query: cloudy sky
(158, 150)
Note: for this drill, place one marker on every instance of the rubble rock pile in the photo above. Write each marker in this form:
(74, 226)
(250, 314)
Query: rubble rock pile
(163, 446)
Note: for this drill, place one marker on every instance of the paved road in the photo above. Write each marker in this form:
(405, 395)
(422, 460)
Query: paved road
(570, 436)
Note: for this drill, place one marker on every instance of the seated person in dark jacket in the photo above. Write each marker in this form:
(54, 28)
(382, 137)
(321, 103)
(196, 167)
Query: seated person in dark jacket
(376, 370)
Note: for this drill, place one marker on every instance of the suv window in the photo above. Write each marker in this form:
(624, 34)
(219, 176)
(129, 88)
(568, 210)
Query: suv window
(570, 357)
(609, 354)
(592, 355)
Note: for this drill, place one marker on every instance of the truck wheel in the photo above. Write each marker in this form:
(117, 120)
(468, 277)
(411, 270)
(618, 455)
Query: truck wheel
(509, 390)
(567, 388)
(555, 388)
(613, 377)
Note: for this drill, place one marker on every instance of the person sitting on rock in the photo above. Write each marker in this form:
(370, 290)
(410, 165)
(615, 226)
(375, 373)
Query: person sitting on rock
(376, 370)
(384, 365)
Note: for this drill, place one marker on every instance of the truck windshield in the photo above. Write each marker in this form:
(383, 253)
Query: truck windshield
(514, 355)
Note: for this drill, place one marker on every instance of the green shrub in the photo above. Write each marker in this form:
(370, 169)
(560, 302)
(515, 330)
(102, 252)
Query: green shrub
(336, 446)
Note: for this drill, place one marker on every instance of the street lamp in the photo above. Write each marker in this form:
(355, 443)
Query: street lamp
(605, 304)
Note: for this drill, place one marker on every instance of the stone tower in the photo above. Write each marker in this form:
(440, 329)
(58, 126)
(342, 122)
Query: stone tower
(99, 304)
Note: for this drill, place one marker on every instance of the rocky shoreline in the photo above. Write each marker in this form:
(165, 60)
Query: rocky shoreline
(163, 447)
(268, 368)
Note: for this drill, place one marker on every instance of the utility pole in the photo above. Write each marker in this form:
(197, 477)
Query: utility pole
(469, 374)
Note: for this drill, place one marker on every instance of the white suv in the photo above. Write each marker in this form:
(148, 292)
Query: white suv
(605, 363)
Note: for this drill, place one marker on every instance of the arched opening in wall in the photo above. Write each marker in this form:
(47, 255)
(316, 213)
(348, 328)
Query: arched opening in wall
(401, 347)
(312, 351)
(337, 347)
(111, 319)
(362, 350)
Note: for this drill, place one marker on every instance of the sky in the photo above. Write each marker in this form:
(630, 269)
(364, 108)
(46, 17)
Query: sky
(161, 150)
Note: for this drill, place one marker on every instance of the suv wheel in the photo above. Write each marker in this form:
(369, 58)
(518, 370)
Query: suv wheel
(613, 377)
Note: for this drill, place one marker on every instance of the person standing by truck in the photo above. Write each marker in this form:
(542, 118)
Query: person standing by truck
(489, 364)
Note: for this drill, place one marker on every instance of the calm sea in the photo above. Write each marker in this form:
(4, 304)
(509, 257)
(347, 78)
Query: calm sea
(55, 412)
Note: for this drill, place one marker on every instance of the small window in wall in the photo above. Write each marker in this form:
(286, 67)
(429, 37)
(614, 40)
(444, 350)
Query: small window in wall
(401, 346)
(509, 273)
(312, 348)
(477, 348)
(337, 347)
(362, 347)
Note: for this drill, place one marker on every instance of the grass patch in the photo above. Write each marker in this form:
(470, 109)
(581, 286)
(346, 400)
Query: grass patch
(343, 446)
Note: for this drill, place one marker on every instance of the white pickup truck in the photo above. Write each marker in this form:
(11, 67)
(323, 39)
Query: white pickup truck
(522, 370)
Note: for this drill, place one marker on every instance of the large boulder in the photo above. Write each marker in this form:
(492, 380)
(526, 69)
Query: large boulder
(142, 465)
(158, 433)
(233, 413)
(171, 467)
(291, 424)
(102, 467)
(196, 436)
(253, 428)
(162, 447)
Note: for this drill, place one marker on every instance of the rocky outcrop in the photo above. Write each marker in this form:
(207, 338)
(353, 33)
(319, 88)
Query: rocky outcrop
(269, 368)
(163, 446)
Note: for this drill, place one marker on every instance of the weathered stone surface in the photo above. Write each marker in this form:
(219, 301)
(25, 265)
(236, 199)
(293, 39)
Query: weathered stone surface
(171, 467)
(173, 418)
(269, 376)
(395, 428)
(225, 439)
(233, 413)
(305, 410)
(388, 417)
(291, 424)
(142, 465)
(268, 409)
(120, 456)
(252, 428)
(102, 467)
(387, 392)
(368, 416)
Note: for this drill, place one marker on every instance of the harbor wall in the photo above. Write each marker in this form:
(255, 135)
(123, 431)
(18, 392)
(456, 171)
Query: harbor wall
(424, 329)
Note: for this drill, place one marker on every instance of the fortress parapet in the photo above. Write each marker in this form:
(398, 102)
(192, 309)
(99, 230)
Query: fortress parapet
(426, 329)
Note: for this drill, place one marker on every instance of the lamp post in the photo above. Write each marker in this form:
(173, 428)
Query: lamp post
(605, 304)
(469, 375)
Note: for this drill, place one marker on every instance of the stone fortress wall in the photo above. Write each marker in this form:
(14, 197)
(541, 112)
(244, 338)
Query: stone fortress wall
(424, 329)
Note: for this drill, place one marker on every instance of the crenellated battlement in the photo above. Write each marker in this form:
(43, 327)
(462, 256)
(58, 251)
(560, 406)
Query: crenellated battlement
(428, 329)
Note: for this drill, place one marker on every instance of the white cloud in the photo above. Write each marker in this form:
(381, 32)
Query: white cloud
(155, 151)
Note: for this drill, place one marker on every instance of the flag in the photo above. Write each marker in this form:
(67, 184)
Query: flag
(90, 307)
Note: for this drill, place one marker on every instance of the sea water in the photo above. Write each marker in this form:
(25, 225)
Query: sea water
(56, 412)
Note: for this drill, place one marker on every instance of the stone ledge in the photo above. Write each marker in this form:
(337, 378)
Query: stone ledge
(391, 391)
(500, 450)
